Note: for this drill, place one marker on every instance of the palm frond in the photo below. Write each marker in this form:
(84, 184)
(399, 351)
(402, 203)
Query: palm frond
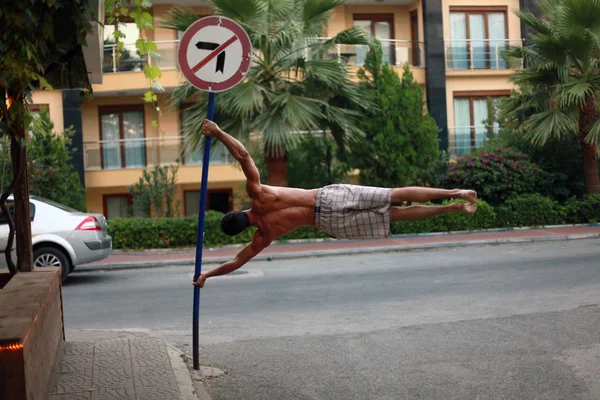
(179, 18)
(574, 93)
(184, 93)
(298, 111)
(533, 21)
(276, 133)
(191, 125)
(540, 78)
(583, 14)
(241, 11)
(316, 14)
(245, 99)
(550, 9)
(329, 73)
(552, 123)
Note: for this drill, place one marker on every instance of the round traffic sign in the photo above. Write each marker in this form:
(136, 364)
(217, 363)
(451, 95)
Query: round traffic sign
(214, 54)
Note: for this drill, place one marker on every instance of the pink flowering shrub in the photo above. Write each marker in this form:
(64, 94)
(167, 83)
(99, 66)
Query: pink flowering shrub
(497, 175)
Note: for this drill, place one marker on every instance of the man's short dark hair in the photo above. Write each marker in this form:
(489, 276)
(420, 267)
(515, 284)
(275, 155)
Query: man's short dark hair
(234, 222)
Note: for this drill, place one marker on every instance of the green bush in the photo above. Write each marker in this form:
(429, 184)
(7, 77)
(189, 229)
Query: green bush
(497, 175)
(580, 211)
(530, 210)
(161, 233)
(305, 232)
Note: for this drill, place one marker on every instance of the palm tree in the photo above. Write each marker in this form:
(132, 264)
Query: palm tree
(559, 90)
(294, 83)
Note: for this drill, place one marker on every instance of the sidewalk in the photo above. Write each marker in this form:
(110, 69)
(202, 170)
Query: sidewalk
(108, 365)
(325, 247)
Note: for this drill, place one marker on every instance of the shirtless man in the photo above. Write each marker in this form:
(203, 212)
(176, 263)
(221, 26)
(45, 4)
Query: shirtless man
(341, 211)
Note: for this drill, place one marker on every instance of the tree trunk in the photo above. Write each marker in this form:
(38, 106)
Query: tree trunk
(21, 194)
(589, 155)
(276, 170)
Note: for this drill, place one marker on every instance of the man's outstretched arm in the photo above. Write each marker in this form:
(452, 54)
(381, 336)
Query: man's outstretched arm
(237, 150)
(257, 245)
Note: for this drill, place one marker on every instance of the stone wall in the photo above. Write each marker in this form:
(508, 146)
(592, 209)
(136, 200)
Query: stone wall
(31, 334)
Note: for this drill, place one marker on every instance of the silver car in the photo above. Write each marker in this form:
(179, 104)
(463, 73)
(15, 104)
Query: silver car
(61, 236)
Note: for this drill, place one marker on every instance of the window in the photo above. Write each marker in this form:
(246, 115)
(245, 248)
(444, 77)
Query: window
(471, 116)
(478, 37)
(130, 59)
(218, 200)
(119, 206)
(218, 152)
(380, 26)
(122, 137)
(35, 111)
(11, 209)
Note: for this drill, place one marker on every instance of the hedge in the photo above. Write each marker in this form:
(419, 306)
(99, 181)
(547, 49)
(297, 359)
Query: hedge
(528, 210)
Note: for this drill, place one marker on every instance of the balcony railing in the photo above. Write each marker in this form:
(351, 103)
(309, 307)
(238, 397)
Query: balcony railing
(130, 59)
(479, 54)
(146, 152)
(395, 52)
(464, 139)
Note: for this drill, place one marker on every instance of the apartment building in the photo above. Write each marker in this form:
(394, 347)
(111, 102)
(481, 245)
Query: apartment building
(453, 48)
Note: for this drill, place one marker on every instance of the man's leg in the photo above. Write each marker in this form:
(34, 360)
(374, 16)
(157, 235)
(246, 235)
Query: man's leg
(417, 212)
(423, 194)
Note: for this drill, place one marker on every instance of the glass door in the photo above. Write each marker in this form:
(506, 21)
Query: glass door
(111, 144)
(459, 51)
(381, 27)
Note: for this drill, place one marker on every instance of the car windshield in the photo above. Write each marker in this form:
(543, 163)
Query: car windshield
(55, 204)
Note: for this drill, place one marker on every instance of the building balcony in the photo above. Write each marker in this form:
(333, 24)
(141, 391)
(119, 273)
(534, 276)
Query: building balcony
(395, 52)
(463, 140)
(107, 155)
(479, 55)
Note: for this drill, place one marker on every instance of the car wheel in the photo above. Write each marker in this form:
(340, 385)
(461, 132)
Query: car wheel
(51, 257)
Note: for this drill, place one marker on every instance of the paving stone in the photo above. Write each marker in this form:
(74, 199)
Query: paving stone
(121, 368)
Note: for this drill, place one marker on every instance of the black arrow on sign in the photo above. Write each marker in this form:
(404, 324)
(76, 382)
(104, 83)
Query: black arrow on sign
(213, 46)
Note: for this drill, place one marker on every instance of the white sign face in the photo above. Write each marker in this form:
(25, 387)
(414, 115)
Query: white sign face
(214, 54)
(221, 67)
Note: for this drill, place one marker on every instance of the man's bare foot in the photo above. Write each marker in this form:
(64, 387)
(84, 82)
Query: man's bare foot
(210, 128)
(466, 208)
(468, 195)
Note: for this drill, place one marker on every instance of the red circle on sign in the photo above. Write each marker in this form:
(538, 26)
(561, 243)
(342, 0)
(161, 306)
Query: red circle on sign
(186, 69)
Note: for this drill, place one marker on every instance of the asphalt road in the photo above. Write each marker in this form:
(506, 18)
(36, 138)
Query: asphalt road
(498, 322)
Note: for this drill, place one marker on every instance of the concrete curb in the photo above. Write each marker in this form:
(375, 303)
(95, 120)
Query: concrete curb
(187, 389)
(322, 240)
(336, 252)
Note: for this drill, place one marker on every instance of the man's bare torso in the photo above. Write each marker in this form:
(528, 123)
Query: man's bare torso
(279, 210)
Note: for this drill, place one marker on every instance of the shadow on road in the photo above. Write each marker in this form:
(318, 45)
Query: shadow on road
(87, 279)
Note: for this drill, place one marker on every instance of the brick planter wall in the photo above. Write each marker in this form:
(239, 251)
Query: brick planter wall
(31, 334)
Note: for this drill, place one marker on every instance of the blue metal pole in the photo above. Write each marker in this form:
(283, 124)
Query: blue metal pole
(200, 240)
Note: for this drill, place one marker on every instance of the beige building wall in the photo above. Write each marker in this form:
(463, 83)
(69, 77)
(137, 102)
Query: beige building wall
(53, 99)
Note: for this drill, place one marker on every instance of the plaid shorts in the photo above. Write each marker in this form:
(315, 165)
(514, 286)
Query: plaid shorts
(353, 212)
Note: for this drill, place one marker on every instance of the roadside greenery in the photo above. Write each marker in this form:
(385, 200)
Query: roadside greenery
(400, 137)
(155, 193)
(51, 174)
(529, 210)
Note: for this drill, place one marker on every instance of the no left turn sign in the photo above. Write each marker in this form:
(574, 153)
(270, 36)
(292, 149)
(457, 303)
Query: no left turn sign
(214, 54)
